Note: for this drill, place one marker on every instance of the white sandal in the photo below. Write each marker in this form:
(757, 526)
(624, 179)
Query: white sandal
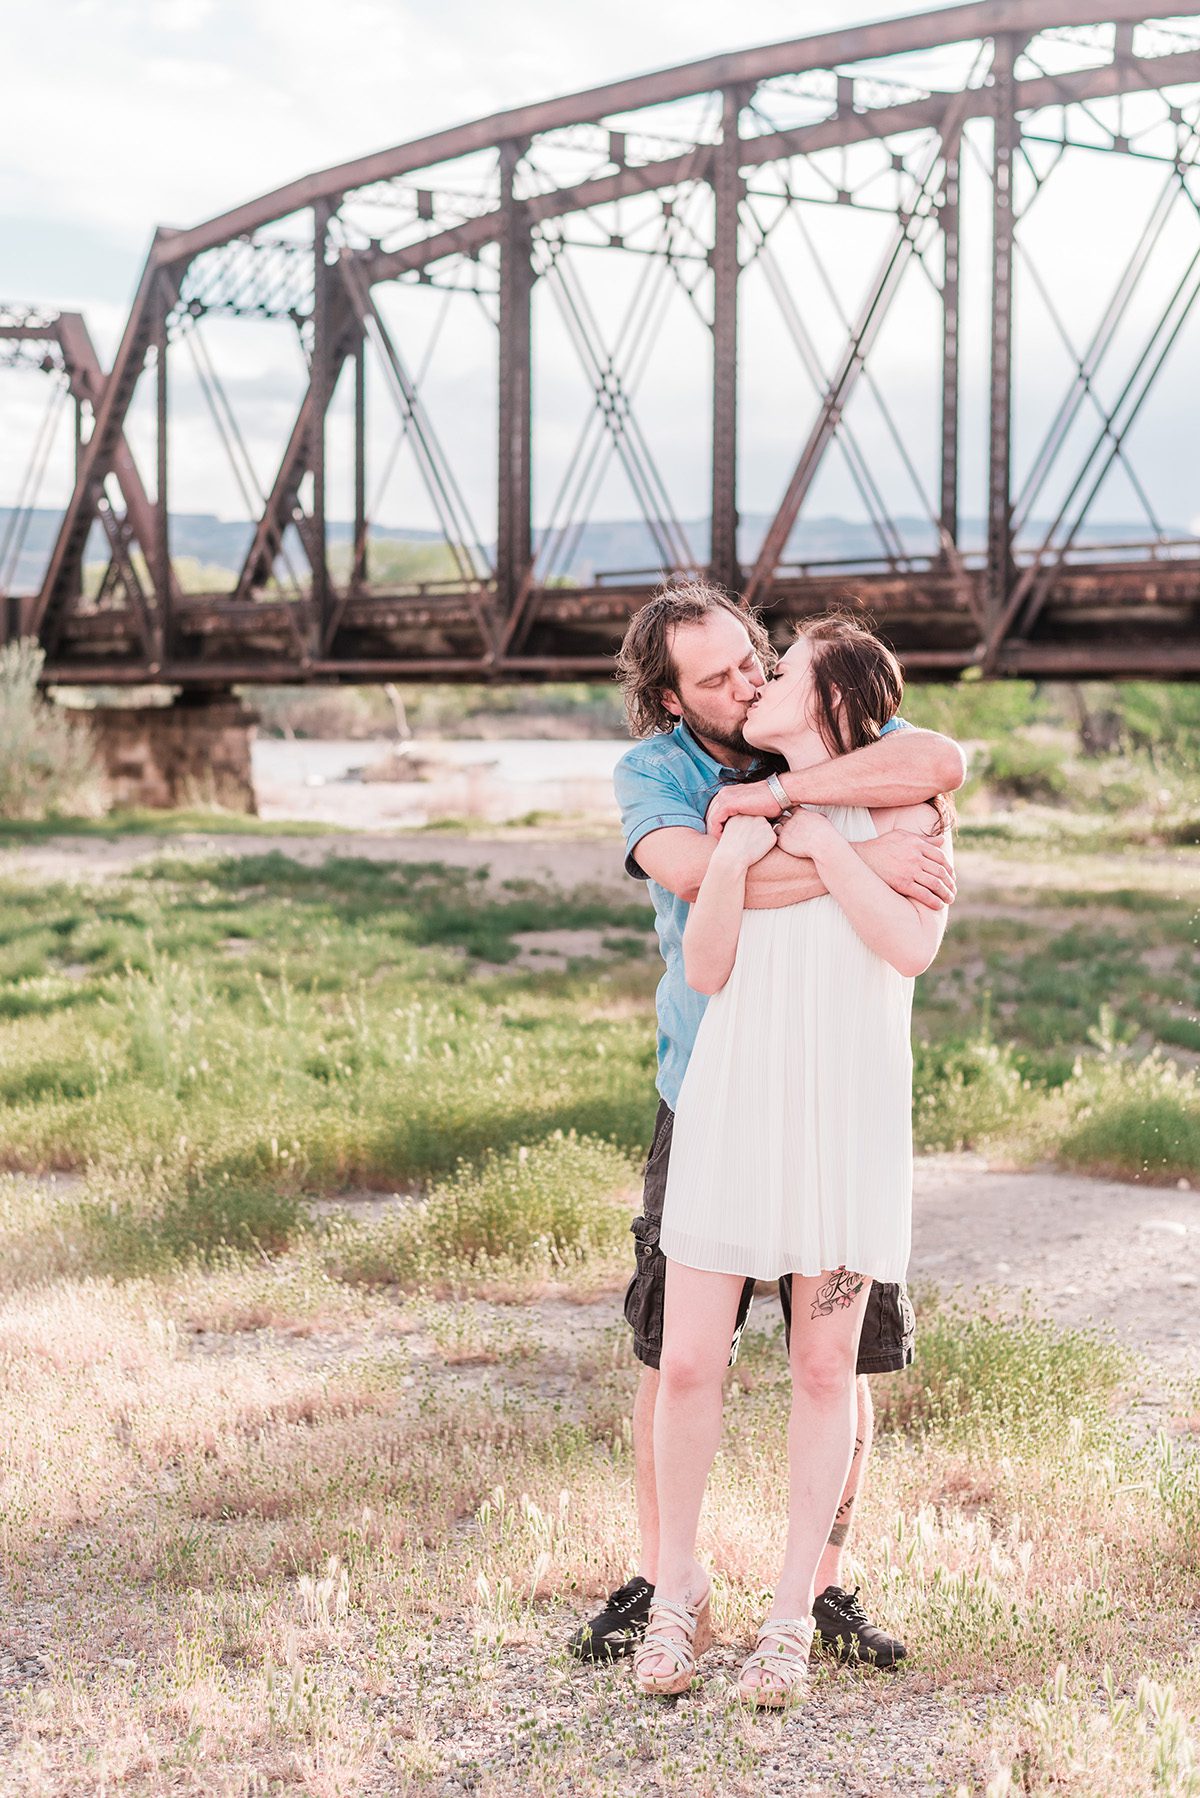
(781, 1649)
(697, 1628)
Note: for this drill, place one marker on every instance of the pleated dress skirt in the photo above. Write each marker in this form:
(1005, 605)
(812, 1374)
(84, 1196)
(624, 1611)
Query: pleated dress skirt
(792, 1147)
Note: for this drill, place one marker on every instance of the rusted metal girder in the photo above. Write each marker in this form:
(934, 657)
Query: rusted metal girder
(1005, 137)
(98, 459)
(853, 361)
(1032, 94)
(950, 218)
(745, 68)
(723, 560)
(514, 499)
(502, 617)
(85, 383)
(325, 367)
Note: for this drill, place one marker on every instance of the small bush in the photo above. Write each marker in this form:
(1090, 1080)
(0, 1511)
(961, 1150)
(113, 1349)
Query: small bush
(173, 1216)
(1019, 769)
(1135, 1121)
(965, 1093)
(1010, 1383)
(556, 1195)
(545, 1207)
(47, 761)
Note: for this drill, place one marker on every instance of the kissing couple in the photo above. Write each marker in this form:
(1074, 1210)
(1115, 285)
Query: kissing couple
(795, 835)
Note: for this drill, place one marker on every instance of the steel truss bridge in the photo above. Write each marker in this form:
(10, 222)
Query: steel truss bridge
(662, 232)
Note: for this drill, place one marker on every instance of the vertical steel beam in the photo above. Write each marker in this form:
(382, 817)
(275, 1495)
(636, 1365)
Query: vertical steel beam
(358, 575)
(514, 489)
(322, 392)
(161, 555)
(1006, 138)
(727, 193)
(950, 219)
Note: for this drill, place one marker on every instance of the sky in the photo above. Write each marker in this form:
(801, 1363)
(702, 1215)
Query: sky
(170, 111)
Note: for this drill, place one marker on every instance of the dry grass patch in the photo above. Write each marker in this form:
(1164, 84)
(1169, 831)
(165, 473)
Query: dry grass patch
(289, 1563)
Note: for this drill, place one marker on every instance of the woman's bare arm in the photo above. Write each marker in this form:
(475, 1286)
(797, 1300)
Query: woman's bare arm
(710, 937)
(677, 858)
(905, 934)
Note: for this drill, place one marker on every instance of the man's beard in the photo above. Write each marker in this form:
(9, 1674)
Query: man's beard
(720, 734)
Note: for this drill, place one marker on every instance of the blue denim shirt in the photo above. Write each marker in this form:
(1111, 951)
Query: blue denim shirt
(662, 781)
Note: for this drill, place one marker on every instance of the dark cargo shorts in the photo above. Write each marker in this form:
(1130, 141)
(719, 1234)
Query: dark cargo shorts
(889, 1327)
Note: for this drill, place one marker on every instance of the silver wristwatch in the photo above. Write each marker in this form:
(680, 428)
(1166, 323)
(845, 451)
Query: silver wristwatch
(778, 791)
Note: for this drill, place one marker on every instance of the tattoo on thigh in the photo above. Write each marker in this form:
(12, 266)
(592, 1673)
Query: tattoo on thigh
(837, 1292)
(838, 1535)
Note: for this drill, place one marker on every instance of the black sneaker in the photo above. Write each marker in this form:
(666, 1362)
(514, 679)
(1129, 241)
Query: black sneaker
(619, 1627)
(844, 1630)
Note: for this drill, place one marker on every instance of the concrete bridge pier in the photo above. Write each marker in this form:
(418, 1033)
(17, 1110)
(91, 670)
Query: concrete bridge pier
(193, 752)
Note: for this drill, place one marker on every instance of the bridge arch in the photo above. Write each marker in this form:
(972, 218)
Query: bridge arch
(845, 229)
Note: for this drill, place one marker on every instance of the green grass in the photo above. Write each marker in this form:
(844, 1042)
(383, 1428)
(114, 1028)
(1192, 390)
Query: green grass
(137, 822)
(246, 1030)
(989, 1381)
(533, 1212)
(218, 1039)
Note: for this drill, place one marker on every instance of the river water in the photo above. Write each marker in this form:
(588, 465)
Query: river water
(488, 782)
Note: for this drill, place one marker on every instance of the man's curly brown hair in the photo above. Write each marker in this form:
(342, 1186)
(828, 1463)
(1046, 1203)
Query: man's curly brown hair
(644, 666)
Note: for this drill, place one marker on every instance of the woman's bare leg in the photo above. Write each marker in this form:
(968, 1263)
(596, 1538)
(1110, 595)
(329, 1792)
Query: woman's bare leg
(699, 1316)
(827, 1316)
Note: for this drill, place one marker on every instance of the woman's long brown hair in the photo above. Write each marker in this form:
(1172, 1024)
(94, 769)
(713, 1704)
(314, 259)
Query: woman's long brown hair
(858, 686)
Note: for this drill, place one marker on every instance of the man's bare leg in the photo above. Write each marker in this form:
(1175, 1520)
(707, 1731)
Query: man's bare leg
(644, 1485)
(829, 1567)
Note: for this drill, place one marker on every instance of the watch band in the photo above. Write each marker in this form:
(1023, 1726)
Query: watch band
(778, 791)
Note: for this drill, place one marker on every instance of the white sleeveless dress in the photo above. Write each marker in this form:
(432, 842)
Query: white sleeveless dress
(792, 1147)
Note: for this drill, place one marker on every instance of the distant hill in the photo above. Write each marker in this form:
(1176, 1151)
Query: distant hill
(603, 547)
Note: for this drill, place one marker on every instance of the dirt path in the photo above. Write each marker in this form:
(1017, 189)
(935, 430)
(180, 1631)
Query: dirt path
(986, 879)
(518, 855)
(1087, 1251)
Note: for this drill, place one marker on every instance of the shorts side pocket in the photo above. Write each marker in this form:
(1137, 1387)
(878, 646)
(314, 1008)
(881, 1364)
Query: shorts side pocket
(645, 1292)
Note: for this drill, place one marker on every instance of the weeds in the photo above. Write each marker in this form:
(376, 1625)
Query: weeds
(47, 762)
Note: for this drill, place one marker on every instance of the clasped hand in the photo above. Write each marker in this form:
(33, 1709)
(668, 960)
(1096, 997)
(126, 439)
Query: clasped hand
(911, 863)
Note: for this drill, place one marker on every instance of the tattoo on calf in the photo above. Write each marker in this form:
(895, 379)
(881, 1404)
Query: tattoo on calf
(841, 1517)
(837, 1292)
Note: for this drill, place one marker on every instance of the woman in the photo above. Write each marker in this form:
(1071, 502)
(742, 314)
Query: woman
(793, 1146)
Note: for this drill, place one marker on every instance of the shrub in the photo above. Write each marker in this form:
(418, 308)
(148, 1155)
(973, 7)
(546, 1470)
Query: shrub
(47, 761)
(1135, 1121)
(1011, 1383)
(966, 1093)
(1019, 769)
(543, 1207)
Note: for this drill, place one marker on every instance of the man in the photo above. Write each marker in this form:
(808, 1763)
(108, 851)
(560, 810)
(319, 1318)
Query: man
(691, 665)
